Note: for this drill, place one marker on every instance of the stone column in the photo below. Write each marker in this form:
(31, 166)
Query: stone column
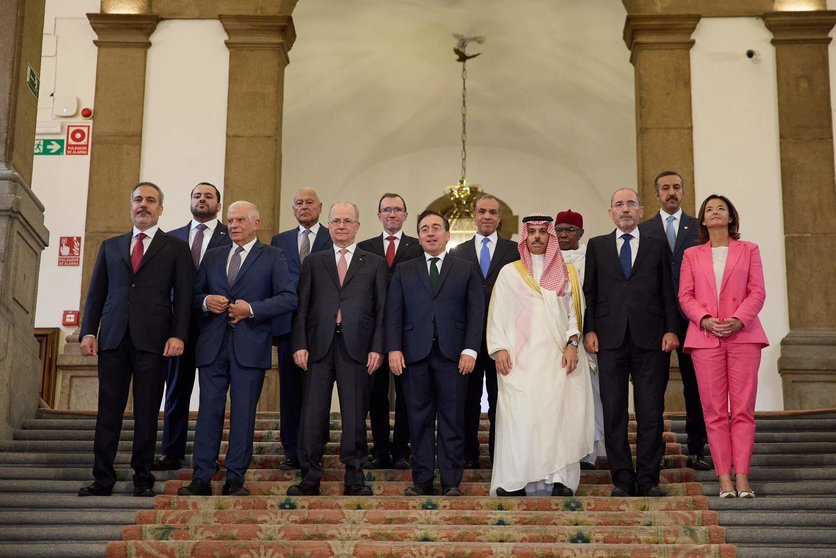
(808, 354)
(660, 53)
(258, 53)
(22, 232)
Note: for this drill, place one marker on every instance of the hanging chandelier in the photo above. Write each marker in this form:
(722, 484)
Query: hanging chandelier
(462, 195)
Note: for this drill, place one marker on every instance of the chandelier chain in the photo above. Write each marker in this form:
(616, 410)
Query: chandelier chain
(464, 122)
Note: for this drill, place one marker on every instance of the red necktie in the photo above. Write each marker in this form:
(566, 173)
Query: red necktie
(342, 268)
(390, 250)
(137, 252)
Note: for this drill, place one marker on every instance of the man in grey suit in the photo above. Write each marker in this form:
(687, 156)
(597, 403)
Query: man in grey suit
(337, 335)
(490, 253)
(680, 232)
(297, 243)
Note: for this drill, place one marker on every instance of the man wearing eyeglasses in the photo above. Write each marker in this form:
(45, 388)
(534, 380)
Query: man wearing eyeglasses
(395, 247)
(298, 243)
(569, 229)
(337, 336)
(631, 321)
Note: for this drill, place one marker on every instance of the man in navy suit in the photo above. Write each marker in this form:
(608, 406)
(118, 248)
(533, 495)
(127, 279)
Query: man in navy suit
(630, 321)
(239, 291)
(490, 253)
(136, 315)
(435, 313)
(297, 243)
(395, 247)
(680, 232)
(204, 232)
(338, 337)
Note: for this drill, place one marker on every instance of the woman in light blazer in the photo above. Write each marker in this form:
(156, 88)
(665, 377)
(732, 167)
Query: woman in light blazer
(721, 290)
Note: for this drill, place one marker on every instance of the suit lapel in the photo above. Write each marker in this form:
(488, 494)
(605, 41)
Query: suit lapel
(331, 266)
(217, 237)
(645, 246)
(403, 246)
(255, 252)
(735, 251)
(320, 242)
(685, 223)
(706, 264)
(423, 272)
(357, 261)
(612, 250)
(469, 251)
(156, 244)
(446, 266)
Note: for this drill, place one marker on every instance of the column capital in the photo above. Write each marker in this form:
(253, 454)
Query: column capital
(800, 27)
(655, 31)
(259, 32)
(123, 30)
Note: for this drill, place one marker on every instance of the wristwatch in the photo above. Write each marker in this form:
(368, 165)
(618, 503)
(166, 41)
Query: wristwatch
(573, 342)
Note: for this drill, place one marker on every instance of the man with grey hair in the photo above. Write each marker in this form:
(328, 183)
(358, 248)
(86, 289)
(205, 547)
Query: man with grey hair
(238, 290)
(337, 336)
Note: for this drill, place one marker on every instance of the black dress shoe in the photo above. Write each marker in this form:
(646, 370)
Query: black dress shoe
(166, 463)
(144, 490)
(471, 463)
(451, 491)
(303, 490)
(195, 488)
(417, 490)
(378, 463)
(587, 466)
(559, 489)
(94, 489)
(289, 464)
(234, 487)
(402, 463)
(358, 490)
(652, 491)
(698, 463)
(502, 493)
(622, 492)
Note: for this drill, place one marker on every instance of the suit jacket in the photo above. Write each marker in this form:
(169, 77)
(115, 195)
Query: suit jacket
(644, 302)
(219, 238)
(264, 282)
(742, 293)
(457, 308)
(505, 252)
(408, 248)
(361, 299)
(288, 242)
(686, 237)
(154, 303)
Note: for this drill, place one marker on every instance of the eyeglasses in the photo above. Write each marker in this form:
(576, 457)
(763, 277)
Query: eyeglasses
(570, 230)
(338, 222)
(390, 210)
(632, 204)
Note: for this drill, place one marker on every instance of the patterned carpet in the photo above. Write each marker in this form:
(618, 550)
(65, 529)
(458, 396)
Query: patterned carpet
(269, 524)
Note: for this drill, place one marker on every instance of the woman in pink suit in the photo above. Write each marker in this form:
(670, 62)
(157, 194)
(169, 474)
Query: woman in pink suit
(721, 290)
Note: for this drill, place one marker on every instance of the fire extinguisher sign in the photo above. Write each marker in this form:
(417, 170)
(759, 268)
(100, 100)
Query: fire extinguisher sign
(78, 140)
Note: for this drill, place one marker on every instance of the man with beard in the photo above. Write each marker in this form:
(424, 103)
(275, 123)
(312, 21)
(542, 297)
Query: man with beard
(204, 232)
(298, 243)
(569, 230)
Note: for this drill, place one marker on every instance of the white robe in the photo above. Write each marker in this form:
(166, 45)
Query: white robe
(545, 418)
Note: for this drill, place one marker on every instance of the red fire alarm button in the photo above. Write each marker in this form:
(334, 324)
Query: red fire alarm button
(69, 318)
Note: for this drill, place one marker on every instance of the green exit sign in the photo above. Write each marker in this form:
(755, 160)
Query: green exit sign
(49, 147)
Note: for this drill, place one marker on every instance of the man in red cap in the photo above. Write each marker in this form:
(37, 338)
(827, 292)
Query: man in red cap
(568, 225)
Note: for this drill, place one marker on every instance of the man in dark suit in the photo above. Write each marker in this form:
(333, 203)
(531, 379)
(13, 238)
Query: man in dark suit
(679, 230)
(238, 292)
(204, 232)
(136, 315)
(298, 243)
(338, 336)
(631, 322)
(490, 253)
(435, 313)
(395, 247)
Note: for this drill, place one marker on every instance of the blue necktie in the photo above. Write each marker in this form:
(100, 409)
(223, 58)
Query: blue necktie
(626, 255)
(670, 233)
(485, 257)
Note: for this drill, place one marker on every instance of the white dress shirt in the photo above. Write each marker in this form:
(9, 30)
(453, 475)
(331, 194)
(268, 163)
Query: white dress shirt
(634, 243)
(677, 218)
(211, 225)
(311, 237)
(146, 242)
(397, 236)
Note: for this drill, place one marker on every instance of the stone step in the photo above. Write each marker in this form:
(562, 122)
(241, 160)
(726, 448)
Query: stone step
(768, 489)
(758, 551)
(62, 501)
(61, 533)
(68, 517)
(778, 424)
(789, 518)
(48, 550)
(778, 474)
(780, 437)
(783, 537)
(825, 503)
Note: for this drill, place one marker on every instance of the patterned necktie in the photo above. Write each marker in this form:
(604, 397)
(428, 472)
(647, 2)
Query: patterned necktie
(434, 273)
(390, 250)
(197, 244)
(138, 251)
(342, 268)
(485, 257)
(305, 249)
(626, 255)
(234, 265)
(670, 232)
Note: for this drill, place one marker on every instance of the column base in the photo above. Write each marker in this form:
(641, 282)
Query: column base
(808, 369)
